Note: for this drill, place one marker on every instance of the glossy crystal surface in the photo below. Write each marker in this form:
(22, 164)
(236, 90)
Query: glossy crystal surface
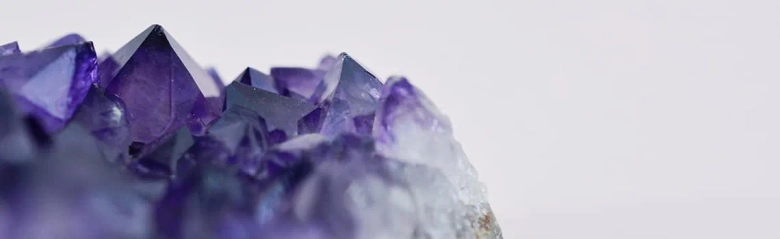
(145, 143)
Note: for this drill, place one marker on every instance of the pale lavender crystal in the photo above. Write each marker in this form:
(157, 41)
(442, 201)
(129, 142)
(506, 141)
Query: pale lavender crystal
(50, 83)
(10, 48)
(327, 62)
(353, 93)
(162, 87)
(70, 39)
(215, 76)
(218, 102)
(302, 83)
(410, 128)
(343, 189)
(298, 82)
(255, 78)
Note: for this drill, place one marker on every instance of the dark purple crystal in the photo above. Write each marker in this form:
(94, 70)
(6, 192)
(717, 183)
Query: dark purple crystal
(107, 66)
(255, 78)
(162, 87)
(159, 159)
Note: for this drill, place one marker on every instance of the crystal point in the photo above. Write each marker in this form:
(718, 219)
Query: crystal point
(70, 39)
(161, 85)
(255, 78)
(203, 203)
(353, 92)
(9, 48)
(238, 139)
(144, 143)
(298, 82)
(279, 112)
(105, 117)
(51, 83)
(159, 159)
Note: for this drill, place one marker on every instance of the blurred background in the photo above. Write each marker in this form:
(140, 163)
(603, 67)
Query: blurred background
(586, 119)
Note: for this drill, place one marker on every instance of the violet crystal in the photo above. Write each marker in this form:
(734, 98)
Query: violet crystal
(145, 143)
(50, 84)
(9, 48)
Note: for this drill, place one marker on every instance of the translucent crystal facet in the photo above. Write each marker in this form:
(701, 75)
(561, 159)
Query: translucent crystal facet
(51, 83)
(105, 117)
(144, 143)
(162, 87)
(9, 48)
(70, 39)
(216, 102)
(255, 78)
(279, 112)
(410, 128)
(350, 92)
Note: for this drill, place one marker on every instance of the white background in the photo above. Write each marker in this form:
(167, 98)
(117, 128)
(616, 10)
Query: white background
(586, 119)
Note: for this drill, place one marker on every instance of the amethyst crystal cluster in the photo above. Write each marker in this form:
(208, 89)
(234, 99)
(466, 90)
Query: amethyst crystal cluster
(144, 143)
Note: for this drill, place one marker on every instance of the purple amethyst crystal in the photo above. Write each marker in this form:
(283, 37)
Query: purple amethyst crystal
(326, 62)
(70, 39)
(255, 78)
(51, 83)
(160, 158)
(298, 82)
(204, 204)
(71, 193)
(302, 83)
(353, 93)
(104, 116)
(10, 48)
(162, 87)
(238, 139)
(144, 143)
(107, 65)
(217, 102)
(279, 112)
